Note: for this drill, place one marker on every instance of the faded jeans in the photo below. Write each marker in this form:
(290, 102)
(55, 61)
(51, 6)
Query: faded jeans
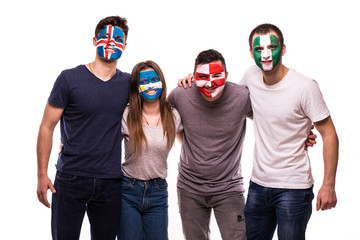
(195, 211)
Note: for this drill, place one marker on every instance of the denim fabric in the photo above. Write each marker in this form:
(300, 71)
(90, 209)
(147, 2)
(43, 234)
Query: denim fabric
(100, 198)
(288, 209)
(195, 211)
(144, 210)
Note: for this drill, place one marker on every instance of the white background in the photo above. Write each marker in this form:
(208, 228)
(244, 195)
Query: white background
(41, 38)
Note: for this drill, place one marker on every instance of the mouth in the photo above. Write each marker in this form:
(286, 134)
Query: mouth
(110, 50)
(151, 92)
(266, 62)
(210, 89)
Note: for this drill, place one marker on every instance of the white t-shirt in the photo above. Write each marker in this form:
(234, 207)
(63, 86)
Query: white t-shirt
(283, 114)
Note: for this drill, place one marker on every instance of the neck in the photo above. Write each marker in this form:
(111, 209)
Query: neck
(151, 107)
(102, 69)
(276, 75)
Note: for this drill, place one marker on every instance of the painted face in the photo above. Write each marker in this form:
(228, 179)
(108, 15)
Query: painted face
(150, 85)
(267, 52)
(110, 43)
(210, 79)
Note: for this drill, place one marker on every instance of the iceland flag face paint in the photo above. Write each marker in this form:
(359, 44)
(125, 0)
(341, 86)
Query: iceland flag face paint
(110, 43)
(150, 85)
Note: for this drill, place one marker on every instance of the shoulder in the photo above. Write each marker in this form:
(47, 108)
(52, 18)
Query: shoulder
(236, 89)
(122, 74)
(175, 113)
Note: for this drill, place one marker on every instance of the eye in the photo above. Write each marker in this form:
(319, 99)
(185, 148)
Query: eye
(273, 47)
(259, 49)
(216, 75)
(119, 39)
(203, 76)
(155, 79)
(143, 82)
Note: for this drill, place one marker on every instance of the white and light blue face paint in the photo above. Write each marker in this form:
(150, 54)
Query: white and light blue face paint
(150, 85)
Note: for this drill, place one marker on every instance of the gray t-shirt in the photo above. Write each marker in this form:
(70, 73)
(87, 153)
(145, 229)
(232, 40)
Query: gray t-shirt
(213, 139)
(151, 163)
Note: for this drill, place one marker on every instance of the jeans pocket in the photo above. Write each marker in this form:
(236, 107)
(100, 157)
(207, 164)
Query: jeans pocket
(65, 177)
(162, 184)
(126, 183)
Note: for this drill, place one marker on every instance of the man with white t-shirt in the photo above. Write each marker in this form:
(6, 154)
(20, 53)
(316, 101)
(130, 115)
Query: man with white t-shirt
(285, 103)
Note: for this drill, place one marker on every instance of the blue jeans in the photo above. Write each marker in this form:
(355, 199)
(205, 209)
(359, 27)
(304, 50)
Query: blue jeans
(100, 198)
(288, 209)
(144, 213)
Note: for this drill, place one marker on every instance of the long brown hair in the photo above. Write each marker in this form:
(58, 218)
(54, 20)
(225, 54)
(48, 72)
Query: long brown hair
(134, 119)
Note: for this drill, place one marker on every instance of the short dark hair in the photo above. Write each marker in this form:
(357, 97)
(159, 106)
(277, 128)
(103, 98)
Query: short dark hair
(209, 56)
(113, 21)
(264, 29)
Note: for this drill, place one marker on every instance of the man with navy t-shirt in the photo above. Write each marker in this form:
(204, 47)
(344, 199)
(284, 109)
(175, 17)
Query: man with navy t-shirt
(89, 101)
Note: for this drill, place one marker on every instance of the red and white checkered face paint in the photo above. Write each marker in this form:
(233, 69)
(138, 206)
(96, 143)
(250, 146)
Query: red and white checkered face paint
(210, 79)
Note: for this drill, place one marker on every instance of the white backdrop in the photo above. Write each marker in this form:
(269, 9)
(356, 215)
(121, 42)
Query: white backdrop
(41, 38)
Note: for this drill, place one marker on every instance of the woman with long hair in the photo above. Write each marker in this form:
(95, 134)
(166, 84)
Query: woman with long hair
(149, 128)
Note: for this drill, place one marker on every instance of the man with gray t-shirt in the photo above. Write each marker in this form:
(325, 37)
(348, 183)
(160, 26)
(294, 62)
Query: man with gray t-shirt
(214, 120)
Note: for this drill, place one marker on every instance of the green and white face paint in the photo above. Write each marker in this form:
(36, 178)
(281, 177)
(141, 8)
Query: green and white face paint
(267, 52)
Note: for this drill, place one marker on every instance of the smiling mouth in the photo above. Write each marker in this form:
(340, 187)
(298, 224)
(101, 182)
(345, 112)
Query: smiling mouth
(111, 50)
(211, 89)
(151, 92)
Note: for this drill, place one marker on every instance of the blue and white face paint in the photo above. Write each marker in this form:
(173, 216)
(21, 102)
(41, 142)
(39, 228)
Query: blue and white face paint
(150, 85)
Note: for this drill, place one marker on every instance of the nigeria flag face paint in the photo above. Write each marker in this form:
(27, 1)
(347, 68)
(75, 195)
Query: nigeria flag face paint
(150, 85)
(267, 52)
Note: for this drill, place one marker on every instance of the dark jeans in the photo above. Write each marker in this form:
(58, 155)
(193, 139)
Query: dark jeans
(144, 213)
(288, 209)
(100, 198)
(195, 211)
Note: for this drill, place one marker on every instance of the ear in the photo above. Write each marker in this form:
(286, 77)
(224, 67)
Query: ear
(283, 50)
(94, 41)
(251, 53)
(125, 46)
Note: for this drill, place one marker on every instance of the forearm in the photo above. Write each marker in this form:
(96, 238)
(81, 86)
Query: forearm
(330, 154)
(43, 149)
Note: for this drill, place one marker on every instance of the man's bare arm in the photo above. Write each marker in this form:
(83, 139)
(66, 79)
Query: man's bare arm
(51, 117)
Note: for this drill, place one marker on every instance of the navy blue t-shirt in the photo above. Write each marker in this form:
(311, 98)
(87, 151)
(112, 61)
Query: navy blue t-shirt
(91, 122)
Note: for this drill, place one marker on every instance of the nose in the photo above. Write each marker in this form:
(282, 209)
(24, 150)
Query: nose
(266, 54)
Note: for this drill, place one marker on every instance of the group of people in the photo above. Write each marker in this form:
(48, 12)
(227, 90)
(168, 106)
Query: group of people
(98, 106)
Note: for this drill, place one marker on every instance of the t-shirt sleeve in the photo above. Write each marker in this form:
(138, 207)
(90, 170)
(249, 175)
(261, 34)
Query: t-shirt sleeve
(313, 103)
(60, 94)
(178, 123)
(171, 98)
(124, 126)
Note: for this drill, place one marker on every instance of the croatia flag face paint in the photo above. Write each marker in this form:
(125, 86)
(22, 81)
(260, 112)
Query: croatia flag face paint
(210, 79)
(267, 52)
(150, 85)
(110, 43)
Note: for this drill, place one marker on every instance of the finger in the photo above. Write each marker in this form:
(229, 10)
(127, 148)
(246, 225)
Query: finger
(318, 204)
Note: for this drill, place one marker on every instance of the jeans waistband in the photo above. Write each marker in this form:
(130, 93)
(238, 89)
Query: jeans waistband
(154, 181)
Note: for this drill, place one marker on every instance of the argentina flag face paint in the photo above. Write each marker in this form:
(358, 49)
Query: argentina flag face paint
(110, 43)
(150, 85)
(210, 78)
(267, 52)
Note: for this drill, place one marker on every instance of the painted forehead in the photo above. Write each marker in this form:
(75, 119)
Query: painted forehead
(113, 31)
(265, 40)
(210, 68)
(148, 73)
